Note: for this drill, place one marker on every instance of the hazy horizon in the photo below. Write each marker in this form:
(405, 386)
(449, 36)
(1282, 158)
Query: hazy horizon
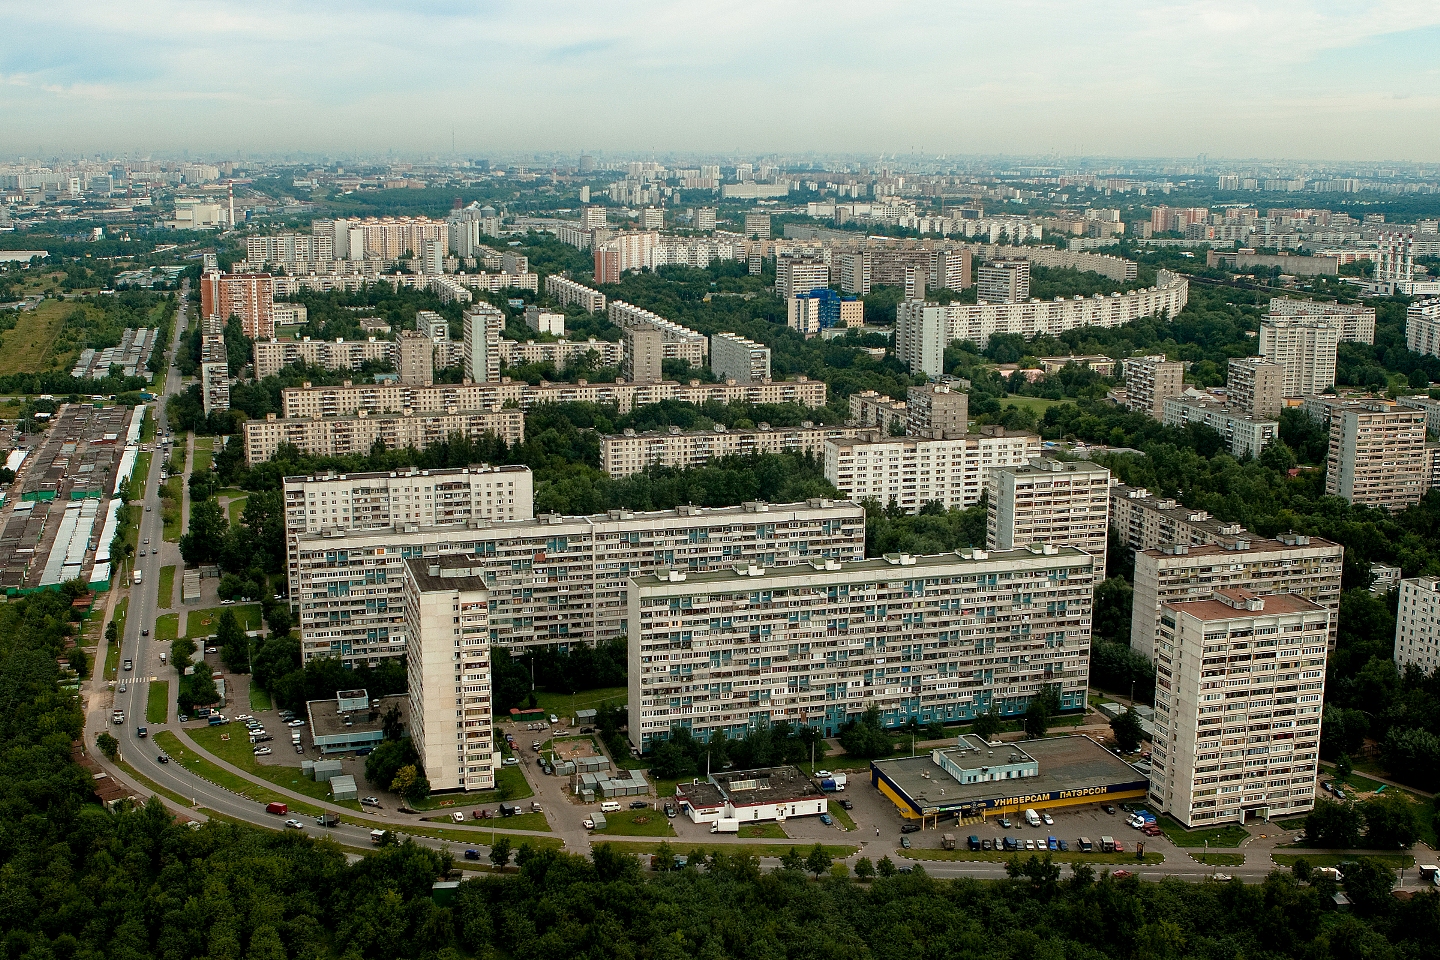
(1299, 79)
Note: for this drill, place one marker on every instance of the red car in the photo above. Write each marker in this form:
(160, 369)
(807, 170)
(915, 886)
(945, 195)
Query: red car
(1122, 874)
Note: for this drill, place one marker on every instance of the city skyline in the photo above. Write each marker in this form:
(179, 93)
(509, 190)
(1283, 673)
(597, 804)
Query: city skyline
(1297, 79)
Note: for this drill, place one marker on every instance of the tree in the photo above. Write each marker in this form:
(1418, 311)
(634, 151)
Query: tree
(1334, 826)
(866, 736)
(864, 869)
(987, 724)
(818, 861)
(79, 662)
(1043, 706)
(792, 860)
(500, 852)
(886, 866)
(209, 530)
(1392, 821)
(234, 644)
(1127, 730)
(391, 723)
(1368, 883)
(108, 745)
(111, 632)
(278, 616)
(409, 783)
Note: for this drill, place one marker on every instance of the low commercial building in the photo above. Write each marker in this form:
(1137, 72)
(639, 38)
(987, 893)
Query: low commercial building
(350, 720)
(341, 436)
(914, 471)
(936, 638)
(977, 778)
(752, 796)
(447, 658)
(1239, 686)
(630, 452)
(1246, 435)
(1101, 364)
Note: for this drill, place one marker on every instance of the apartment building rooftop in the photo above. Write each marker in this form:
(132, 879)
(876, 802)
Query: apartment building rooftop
(409, 472)
(1228, 604)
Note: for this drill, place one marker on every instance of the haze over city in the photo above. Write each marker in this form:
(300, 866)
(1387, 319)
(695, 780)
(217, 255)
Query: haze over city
(1297, 79)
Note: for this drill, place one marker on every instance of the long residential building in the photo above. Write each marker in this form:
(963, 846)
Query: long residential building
(380, 238)
(923, 328)
(1306, 351)
(1239, 688)
(446, 608)
(553, 579)
(1356, 321)
(1291, 563)
(1144, 521)
(293, 251)
(350, 399)
(631, 452)
(1377, 455)
(913, 471)
(680, 343)
(1245, 434)
(396, 499)
(1050, 501)
(937, 638)
(272, 354)
(567, 292)
(343, 436)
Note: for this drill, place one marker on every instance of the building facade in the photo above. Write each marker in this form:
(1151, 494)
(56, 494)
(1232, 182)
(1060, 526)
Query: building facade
(1246, 435)
(870, 409)
(679, 343)
(567, 292)
(1049, 501)
(1305, 350)
(248, 296)
(1240, 681)
(797, 275)
(1003, 281)
(1356, 321)
(941, 407)
(1377, 455)
(1150, 380)
(914, 471)
(481, 351)
(733, 357)
(342, 436)
(1144, 521)
(273, 354)
(631, 452)
(1257, 386)
(939, 639)
(1422, 327)
(1417, 624)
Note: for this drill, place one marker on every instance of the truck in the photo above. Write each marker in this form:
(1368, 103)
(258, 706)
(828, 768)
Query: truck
(947, 841)
(835, 783)
(377, 837)
(328, 820)
(1032, 818)
(138, 576)
(1430, 873)
(1107, 844)
(117, 717)
(279, 809)
(725, 825)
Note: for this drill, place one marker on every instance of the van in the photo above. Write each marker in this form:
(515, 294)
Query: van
(610, 806)
(377, 837)
(162, 658)
(1032, 818)
(1107, 844)
(277, 808)
(1086, 846)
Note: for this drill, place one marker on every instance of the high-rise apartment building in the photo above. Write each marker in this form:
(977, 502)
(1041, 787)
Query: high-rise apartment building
(936, 409)
(1305, 349)
(1417, 624)
(757, 225)
(214, 367)
(652, 218)
(797, 274)
(553, 579)
(1003, 281)
(1356, 321)
(1144, 521)
(414, 357)
(1238, 695)
(822, 309)
(396, 500)
(1431, 408)
(705, 219)
(870, 409)
(1257, 386)
(914, 471)
(938, 639)
(482, 356)
(1422, 327)
(1377, 455)
(680, 343)
(248, 296)
(447, 626)
(1149, 380)
(1291, 563)
(1049, 501)
(271, 355)
(644, 354)
(733, 357)
(607, 264)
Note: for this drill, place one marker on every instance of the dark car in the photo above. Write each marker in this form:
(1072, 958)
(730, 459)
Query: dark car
(1064, 846)
(987, 844)
(163, 759)
(910, 828)
(670, 810)
(905, 842)
(847, 804)
(472, 854)
(638, 805)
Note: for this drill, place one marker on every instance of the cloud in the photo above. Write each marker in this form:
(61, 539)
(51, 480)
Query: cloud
(1287, 77)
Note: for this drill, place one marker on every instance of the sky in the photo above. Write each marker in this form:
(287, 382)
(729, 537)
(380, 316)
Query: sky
(1298, 79)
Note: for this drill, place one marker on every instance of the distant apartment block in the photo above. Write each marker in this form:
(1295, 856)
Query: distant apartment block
(1291, 563)
(553, 579)
(823, 309)
(343, 436)
(1431, 408)
(757, 225)
(294, 251)
(1417, 624)
(214, 367)
(1003, 281)
(913, 471)
(936, 409)
(1356, 321)
(799, 274)
(1305, 349)
(1049, 501)
(1144, 521)
(679, 343)
(1150, 380)
(248, 296)
(273, 354)
(481, 352)
(870, 409)
(567, 292)
(545, 321)
(1257, 386)
(1377, 455)
(631, 452)
(1245, 434)
(840, 637)
(414, 357)
(733, 357)
(1102, 365)
(1422, 327)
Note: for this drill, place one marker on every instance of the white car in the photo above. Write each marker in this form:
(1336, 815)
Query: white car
(369, 801)
(294, 824)
(823, 774)
(554, 719)
(296, 723)
(243, 716)
(1049, 820)
(263, 751)
(588, 824)
(510, 761)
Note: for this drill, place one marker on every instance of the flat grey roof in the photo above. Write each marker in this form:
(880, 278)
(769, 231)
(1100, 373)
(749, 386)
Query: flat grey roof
(446, 573)
(327, 721)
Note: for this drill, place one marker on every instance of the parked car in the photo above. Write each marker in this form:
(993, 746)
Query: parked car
(910, 828)
(638, 804)
(1049, 820)
(299, 748)
(263, 751)
(826, 819)
(478, 814)
(588, 824)
(510, 762)
(295, 723)
(1005, 822)
(1029, 844)
(369, 802)
(554, 719)
(457, 817)
(987, 844)
(669, 809)
(905, 842)
(1110, 809)
(847, 804)
(587, 729)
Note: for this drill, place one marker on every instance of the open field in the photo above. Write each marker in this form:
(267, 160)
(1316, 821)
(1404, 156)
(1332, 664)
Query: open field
(259, 698)
(636, 823)
(29, 346)
(167, 626)
(235, 509)
(510, 784)
(203, 454)
(202, 623)
(157, 702)
(1037, 405)
(565, 705)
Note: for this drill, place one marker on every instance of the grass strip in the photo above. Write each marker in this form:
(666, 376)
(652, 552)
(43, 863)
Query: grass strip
(167, 626)
(763, 831)
(157, 702)
(167, 587)
(238, 752)
(1396, 860)
(138, 478)
(152, 786)
(839, 852)
(991, 856)
(259, 698)
(1219, 859)
(202, 623)
(1230, 835)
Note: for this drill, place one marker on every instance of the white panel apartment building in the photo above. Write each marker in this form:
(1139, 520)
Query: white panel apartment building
(733, 357)
(405, 498)
(1306, 349)
(1417, 624)
(553, 579)
(272, 354)
(1291, 563)
(1239, 685)
(1377, 455)
(446, 608)
(482, 354)
(799, 275)
(680, 343)
(914, 471)
(1245, 434)
(1147, 522)
(938, 638)
(342, 436)
(566, 292)
(1049, 501)
(1356, 321)
(630, 452)
(1422, 327)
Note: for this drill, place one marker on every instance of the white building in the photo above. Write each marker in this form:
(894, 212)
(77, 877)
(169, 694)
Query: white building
(914, 471)
(1356, 321)
(1003, 281)
(1238, 696)
(817, 643)
(679, 343)
(796, 275)
(1049, 501)
(1306, 349)
(1417, 624)
(545, 321)
(553, 579)
(630, 452)
(483, 326)
(733, 357)
(344, 436)
(567, 292)
(1377, 455)
(446, 610)
(1246, 435)
(1422, 327)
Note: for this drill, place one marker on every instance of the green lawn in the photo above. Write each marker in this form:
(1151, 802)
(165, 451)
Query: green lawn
(763, 831)
(522, 821)
(637, 823)
(202, 767)
(1219, 859)
(1000, 856)
(238, 752)
(112, 655)
(1229, 835)
(838, 852)
(236, 508)
(202, 623)
(203, 455)
(843, 815)
(167, 587)
(564, 705)
(1036, 404)
(157, 702)
(259, 698)
(167, 626)
(147, 425)
(1396, 860)
(170, 508)
(140, 778)
(510, 785)
(139, 476)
